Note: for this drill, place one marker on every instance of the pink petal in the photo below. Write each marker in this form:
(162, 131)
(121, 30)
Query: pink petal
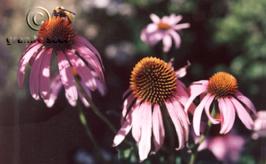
(83, 99)
(176, 37)
(222, 106)
(137, 117)
(67, 79)
(82, 41)
(158, 128)
(23, 61)
(155, 18)
(181, 26)
(91, 60)
(55, 87)
(174, 19)
(45, 74)
(87, 76)
(179, 130)
(181, 72)
(246, 101)
(34, 75)
(182, 95)
(227, 109)
(124, 130)
(195, 90)
(242, 114)
(201, 82)
(126, 105)
(182, 116)
(151, 38)
(30, 46)
(198, 113)
(167, 43)
(144, 145)
(207, 110)
(151, 28)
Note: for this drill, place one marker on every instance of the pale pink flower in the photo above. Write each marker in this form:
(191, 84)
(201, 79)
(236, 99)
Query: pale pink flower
(259, 127)
(163, 29)
(223, 88)
(226, 148)
(154, 87)
(79, 64)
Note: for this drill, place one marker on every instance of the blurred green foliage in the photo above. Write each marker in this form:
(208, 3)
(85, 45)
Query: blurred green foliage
(243, 29)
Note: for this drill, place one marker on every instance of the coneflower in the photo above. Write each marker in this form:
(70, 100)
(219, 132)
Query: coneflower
(154, 86)
(223, 88)
(79, 63)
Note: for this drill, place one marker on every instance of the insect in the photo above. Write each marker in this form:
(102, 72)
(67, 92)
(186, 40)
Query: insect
(62, 12)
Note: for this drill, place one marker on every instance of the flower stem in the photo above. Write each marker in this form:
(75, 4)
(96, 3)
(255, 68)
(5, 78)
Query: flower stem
(100, 115)
(96, 110)
(201, 140)
(84, 123)
(193, 158)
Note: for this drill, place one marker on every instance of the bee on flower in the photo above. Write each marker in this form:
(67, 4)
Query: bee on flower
(155, 88)
(79, 63)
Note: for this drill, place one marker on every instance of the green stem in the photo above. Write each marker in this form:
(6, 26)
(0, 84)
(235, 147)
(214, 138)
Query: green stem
(100, 115)
(95, 109)
(201, 140)
(192, 158)
(84, 123)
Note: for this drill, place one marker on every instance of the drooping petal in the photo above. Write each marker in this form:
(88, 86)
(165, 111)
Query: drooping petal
(83, 99)
(137, 121)
(155, 18)
(34, 75)
(198, 113)
(124, 130)
(86, 75)
(177, 125)
(246, 101)
(207, 110)
(90, 60)
(231, 121)
(82, 41)
(24, 60)
(158, 128)
(195, 90)
(127, 103)
(55, 87)
(242, 114)
(67, 79)
(182, 116)
(45, 74)
(167, 43)
(144, 145)
(228, 112)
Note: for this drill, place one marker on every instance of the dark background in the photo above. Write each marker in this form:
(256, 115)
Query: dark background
(224, 35)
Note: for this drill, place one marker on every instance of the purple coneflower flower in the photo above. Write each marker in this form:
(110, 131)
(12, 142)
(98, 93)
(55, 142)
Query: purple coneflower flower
(223, 88)
(259, 125)
(154, 86)
(164, 29)
(79, 64)
(226, 148)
